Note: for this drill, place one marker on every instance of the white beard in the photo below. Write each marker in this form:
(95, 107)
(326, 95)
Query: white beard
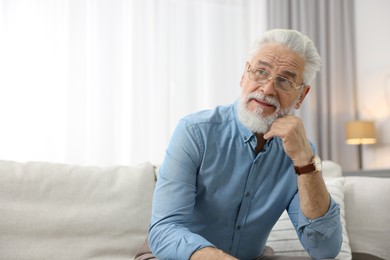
(253, 120)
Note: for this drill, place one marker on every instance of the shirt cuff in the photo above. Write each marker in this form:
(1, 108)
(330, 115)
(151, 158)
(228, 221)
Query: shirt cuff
(191, 244)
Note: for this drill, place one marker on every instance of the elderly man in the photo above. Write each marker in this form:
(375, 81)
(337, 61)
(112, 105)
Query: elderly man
(229, 173)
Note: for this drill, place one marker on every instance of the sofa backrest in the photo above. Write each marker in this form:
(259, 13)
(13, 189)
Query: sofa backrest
(58, 211)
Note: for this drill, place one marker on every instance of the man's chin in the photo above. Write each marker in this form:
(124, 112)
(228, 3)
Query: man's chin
(255, 121)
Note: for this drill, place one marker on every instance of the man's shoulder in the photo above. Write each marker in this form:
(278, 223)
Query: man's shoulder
(218, 115)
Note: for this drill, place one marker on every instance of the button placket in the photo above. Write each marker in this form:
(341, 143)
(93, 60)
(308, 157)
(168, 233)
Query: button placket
(245, 205)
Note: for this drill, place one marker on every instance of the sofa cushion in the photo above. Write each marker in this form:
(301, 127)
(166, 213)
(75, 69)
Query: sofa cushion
(367, 201)
(331, 169)
(58, 211)
(284, 239)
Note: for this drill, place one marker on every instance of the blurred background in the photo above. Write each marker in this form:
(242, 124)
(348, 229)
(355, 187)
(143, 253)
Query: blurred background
(105, 82)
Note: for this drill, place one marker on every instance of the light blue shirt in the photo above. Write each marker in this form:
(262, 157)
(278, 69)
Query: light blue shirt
(214, 190)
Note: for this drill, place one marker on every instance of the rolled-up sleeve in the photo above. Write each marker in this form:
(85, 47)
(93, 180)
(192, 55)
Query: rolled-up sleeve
(321, 237)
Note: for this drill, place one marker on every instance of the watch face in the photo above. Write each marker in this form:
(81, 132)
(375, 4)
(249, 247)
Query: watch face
(318, 163)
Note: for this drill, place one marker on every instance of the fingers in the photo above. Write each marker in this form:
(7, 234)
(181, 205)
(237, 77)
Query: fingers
(291, 131)
(284, 126)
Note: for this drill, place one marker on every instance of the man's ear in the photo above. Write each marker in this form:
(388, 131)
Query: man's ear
(243, 74)
(302, 96)
(242, 79)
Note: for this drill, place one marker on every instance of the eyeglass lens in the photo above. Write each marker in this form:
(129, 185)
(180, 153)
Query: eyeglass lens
(262, 76)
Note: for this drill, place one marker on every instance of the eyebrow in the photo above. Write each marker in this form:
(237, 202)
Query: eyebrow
(285, 72)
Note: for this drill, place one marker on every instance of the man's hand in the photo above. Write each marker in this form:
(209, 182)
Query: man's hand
(295, 143)
(211, 253)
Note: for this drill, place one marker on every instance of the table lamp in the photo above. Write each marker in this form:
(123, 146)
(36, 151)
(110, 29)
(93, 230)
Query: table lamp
(360, 132)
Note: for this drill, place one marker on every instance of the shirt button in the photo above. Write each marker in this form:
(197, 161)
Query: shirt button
(247, 194)
(238, 227)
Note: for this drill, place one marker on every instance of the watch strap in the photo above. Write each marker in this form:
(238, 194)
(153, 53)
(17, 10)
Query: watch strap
(309, 168)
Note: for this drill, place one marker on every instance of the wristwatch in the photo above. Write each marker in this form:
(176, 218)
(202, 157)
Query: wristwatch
(315, 165)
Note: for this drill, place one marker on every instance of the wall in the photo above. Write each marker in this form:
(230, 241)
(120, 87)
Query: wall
(373, 76)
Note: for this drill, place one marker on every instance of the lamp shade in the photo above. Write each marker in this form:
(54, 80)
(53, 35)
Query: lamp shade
(360, 132)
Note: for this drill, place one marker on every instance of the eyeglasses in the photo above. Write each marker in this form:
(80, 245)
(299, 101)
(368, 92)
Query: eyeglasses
(281, 83)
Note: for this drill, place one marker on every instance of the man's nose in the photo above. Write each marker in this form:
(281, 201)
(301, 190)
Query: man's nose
(268, 87)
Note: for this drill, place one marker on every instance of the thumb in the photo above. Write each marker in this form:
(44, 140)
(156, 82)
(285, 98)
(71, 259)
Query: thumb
(268, 135)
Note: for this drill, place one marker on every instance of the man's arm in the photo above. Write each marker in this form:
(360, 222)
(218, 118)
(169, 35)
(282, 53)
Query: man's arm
(315, 204)
(314, 197)
(174, 200)
(211, 253)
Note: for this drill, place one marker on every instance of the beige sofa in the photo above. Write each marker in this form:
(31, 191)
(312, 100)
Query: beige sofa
(59, 211)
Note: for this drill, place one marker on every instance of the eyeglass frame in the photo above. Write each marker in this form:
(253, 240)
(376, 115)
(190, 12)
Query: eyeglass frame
(270, 76)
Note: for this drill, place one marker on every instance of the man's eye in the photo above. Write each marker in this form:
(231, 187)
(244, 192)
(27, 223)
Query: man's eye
(261, 72)
(282, 80)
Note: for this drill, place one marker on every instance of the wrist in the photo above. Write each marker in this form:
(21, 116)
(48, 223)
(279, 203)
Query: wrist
(303, 160)
(314, 165)
(210, 253)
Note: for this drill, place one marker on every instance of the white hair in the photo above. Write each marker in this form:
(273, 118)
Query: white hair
(297, 42)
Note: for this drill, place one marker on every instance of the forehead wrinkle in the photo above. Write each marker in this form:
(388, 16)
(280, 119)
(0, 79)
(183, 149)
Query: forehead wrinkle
(260, 62)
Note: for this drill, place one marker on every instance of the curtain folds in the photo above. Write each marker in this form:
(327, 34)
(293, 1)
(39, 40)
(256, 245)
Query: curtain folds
(331, 101)
(105, 82)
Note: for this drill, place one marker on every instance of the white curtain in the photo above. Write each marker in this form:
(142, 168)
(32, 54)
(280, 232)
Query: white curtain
(332, 99)
(105, 82)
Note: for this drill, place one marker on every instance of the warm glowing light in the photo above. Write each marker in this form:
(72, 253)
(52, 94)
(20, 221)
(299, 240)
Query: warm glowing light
(360, 132)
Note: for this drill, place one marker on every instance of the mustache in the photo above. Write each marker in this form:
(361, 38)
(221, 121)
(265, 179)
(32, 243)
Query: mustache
(263, 98)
